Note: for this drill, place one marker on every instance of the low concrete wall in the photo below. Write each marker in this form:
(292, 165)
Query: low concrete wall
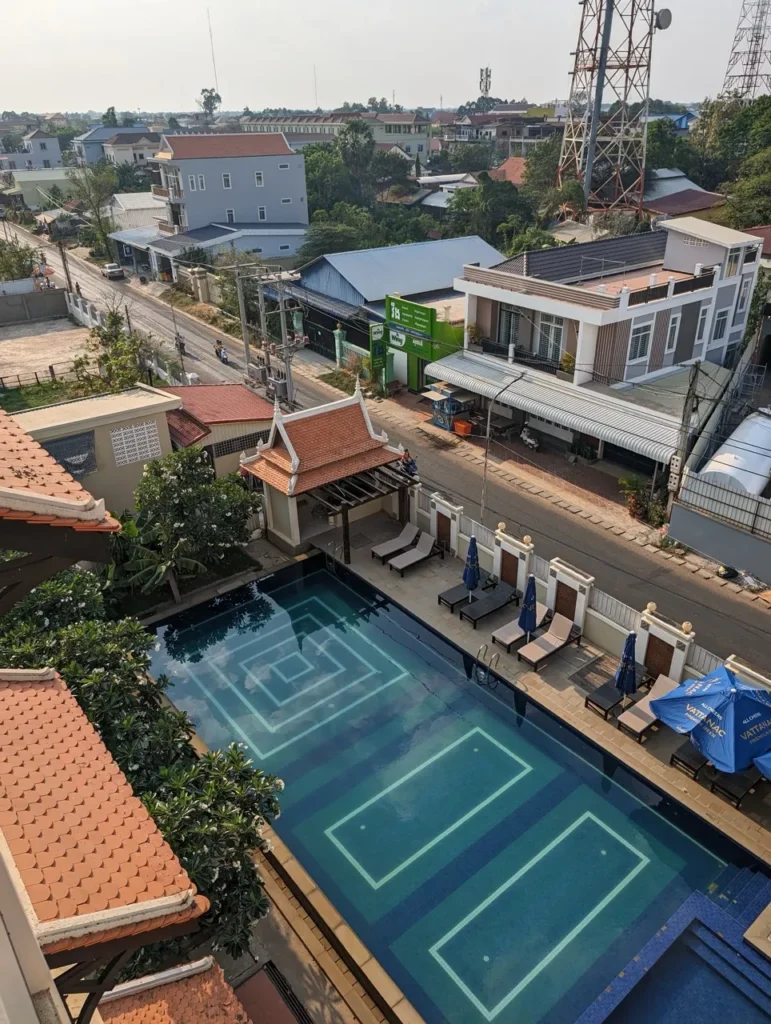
(721, 541)
(84, 312)
(25, 308)
(23, 286)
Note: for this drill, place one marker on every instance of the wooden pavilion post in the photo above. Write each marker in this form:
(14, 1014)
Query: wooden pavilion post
(346, 536)
(404, 505)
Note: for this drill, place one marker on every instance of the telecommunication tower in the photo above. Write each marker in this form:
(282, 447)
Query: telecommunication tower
(485, 78)
(604, 142)
(749, 66)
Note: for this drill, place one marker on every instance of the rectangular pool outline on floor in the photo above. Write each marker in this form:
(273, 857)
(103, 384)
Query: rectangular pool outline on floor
(376, 884)
(649, 783)
(491, 1014)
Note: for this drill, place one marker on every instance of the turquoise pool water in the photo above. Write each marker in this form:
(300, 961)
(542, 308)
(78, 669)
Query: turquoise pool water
(497, 865)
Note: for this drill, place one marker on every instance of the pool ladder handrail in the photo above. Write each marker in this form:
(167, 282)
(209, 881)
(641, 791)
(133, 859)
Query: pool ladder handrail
(488, 665)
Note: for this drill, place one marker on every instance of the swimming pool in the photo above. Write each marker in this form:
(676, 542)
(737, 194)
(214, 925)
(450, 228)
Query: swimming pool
(498, 866)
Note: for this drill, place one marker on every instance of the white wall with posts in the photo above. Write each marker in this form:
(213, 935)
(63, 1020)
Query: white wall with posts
(441, 506)
(522, 550)
(563, 573)
(679, 638)
(747, 675)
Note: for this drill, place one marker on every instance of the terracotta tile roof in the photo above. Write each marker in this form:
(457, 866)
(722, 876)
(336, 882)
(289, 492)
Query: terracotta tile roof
(223, 403)
(202, 147)
(330, 444)
(762, 231)
(91, 861)
(193, 994)
(35, 488)
(512, 169)
(184, 428)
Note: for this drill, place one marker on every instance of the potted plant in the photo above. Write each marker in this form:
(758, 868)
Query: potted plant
(474, 338)
(567, 366)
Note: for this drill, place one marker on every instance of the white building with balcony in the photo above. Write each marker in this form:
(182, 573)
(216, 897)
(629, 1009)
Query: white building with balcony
(591, 344)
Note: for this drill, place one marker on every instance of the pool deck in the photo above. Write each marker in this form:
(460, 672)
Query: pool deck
(554, 686)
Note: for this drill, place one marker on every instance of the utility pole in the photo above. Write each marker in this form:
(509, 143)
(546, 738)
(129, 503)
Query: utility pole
(263, 320)
(483, 499)
(242, 314)
(65, 265)
(128, 318)
(285, 345)
(689, 405)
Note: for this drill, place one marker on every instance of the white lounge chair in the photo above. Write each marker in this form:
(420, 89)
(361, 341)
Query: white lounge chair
(392, 547)
(512, 632)
(638, 719)
(423, 550)
(560, 633)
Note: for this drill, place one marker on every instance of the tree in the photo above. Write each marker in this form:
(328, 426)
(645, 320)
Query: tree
(327, 178)
(132, 178)
(480, 106)
(750, 201)
(540, 175)
(528, 240)
(17, 260)
(194, 255)
(93, 186)
(209, 101)
(325, 237)
(357, 149)
(114, 359)
(661, 145)
(174, 125)
(471, 156)
(127, 119)
(389, 169)
(56, 197)
(110, 118)
(481, 210)
(12, 142)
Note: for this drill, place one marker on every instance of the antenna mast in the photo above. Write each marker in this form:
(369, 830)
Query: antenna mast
(749, 66)
(604, 149)
(485, 78)
(211, 43)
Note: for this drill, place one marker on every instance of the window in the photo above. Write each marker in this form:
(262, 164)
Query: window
(201, 183)
(508, 325)
(141, 156)
(408, 148)
(550, 337)
(420, 147)
(702, 323)
(191, 182)
(674, 329)
(262, 213)
(283, 167)
(284, 248)
(258, 179)
(46, 163)
(721, 322)
(138, 442)
(744, 295)
(732, 264)
(226, 180)
(43, 145)
(286, 202)
(698, 243)
(640, 343)
(239, 444)
(230, 216)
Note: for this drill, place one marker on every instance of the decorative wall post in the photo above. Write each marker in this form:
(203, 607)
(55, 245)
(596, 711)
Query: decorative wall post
(664, 631)
(563, 575)
(339, 335)
(441, 507)
(508, 548)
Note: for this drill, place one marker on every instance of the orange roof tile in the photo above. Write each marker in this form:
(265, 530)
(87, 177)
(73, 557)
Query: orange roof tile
(36, 488)
(512, 169)
(222, 403)
(91, 861)
(192, 994)
(330, 443)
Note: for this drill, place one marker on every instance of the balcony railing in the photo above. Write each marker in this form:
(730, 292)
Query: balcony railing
(694, 284)
(523, 356)
(166, 228)
(172, 192)
(159, 191)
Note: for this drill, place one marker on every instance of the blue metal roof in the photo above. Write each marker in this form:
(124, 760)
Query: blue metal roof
(368, 275)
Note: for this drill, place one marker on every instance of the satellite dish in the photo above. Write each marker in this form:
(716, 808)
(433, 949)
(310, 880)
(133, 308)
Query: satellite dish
(663, 18)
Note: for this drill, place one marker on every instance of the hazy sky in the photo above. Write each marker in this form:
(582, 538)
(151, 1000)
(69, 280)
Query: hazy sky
(154, 54)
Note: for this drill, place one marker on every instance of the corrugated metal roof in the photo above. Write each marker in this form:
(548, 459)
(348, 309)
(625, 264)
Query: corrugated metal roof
(411, 268)
(590, 259)
(138, 237)
(648, 433)
(667, 181)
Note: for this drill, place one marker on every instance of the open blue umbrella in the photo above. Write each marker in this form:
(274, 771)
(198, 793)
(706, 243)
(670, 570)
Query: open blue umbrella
(729, 721)
(626, 673)
(763, 764)
(471, 571)
(526, 618)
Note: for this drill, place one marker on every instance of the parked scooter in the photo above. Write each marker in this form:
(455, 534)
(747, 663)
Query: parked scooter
(530, 440)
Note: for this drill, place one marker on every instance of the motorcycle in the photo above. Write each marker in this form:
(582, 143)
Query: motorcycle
(530, 440)
(222, 354)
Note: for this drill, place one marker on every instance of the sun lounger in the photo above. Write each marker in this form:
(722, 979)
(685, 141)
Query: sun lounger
(638, 720)
(560, 633)
(736, 786)
(394, 546)
(423, 550)
(459, 595)
(497, 598)
(512, 632)
(688, 759)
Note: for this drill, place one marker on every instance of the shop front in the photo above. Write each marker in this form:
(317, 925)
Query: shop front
(415, 338)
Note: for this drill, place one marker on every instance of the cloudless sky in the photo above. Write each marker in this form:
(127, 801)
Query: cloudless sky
(154, 54)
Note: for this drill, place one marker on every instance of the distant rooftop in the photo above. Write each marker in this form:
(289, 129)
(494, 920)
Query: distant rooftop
(573, 263)
(203, 147)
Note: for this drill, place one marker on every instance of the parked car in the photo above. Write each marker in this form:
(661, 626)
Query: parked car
(114, 271)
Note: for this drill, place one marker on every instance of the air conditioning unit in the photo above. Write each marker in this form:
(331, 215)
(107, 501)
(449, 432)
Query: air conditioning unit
(258, 373)
(277, 387)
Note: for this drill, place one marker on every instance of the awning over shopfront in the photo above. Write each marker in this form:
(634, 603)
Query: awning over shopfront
(138, 238)
(644, 431)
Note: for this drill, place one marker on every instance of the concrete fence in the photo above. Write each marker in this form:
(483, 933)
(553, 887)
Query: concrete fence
(26, 308)
(83, 311)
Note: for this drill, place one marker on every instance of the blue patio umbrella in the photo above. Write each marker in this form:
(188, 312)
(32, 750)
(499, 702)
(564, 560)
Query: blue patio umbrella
(728, 720)
(471, 571)
(626, 673)
(527, 621)
(763, 764)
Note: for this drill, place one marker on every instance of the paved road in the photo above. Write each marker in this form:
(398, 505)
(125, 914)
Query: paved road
(724, 624)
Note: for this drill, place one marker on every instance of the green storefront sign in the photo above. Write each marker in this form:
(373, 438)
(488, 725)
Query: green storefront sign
(378, 342)
(410, 316)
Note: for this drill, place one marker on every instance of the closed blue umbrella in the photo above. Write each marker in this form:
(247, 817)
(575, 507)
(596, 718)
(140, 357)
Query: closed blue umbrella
(471, 571)
(626, 673)
(527, 620)
(728, 720)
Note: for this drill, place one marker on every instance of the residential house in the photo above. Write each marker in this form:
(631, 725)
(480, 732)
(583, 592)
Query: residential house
(407, 129)
(590, 344)
(57, 120)
(135, 209)
(680, 122)
(513, 133)
(32, 187)
(242, 192)
(39, 150)
(347, 290)
(512, 169)
(105, 440)
(131, 148)
(687, 203)
(228, 420)
(396, 149)
(89, 147)
(17, 125)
